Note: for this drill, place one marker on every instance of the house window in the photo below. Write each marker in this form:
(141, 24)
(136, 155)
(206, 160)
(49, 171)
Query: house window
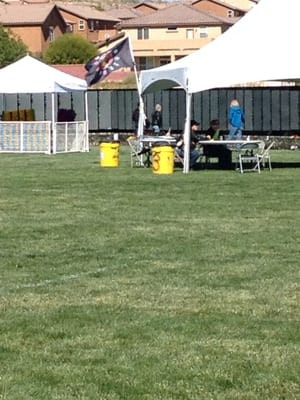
(69, 28)
(164, 60)
(203, 32)
(91, 24)
(230, 13)
(142, 63)
(190, 33)
(172, 29)
(143, 33)
(51, 34)
(81, 25)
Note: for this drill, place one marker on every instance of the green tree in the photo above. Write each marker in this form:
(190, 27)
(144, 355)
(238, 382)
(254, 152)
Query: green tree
(11, 48)
(70, 49)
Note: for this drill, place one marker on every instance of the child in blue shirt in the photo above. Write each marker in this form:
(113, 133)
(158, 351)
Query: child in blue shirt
(236, 120)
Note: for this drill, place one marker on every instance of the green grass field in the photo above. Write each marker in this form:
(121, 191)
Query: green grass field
(117, 283)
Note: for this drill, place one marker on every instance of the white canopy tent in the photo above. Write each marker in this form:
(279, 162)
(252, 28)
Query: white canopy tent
(28, 75)
(262, 46)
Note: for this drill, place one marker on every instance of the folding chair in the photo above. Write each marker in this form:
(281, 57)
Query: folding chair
(248, 158)
(265, 155)
(136, 159)
(178, 160)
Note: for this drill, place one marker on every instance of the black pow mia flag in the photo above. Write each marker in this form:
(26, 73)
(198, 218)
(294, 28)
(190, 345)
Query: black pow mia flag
(103, 64)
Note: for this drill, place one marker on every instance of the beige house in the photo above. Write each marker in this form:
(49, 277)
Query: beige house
(88, 22)
(160, 32)
(36, 25)
(243, 4)
(171, 33)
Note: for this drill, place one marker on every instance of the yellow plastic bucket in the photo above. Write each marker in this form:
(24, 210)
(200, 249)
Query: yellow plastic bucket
(162, 160)
(109, 154)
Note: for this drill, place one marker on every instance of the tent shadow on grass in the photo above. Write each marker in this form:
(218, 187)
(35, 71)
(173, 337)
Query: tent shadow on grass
(275, 165)
(285, 164)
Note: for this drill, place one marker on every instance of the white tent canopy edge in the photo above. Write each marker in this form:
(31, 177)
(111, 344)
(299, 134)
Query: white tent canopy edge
(29, 75)
(262, 46)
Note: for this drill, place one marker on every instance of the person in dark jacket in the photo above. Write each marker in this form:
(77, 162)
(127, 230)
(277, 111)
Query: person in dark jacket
(156, 119)
(213, 132)
(135, 119)
(194, 153)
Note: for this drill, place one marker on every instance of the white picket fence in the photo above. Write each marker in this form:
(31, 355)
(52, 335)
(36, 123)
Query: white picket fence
(70, 137)
(39, 137)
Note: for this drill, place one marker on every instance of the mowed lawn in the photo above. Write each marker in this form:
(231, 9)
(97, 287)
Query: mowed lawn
(117, 283)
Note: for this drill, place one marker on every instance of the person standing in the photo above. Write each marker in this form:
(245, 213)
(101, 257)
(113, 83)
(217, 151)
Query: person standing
(236, 120)
(135, 118)
(156, 119)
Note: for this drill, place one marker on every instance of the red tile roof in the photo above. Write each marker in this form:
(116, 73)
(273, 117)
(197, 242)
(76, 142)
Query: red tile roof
(76, 70)
(151, 4)
(79, 71)
(224, 4)
(124, 12)
(19, 14)
(85, 11)
(176, 15)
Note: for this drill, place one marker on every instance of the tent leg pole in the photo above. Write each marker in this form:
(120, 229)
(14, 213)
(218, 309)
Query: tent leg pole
(87, 146)
(187, 136)
(53, 123)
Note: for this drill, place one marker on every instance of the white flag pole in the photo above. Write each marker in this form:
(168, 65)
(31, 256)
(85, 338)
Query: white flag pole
(142, 116)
